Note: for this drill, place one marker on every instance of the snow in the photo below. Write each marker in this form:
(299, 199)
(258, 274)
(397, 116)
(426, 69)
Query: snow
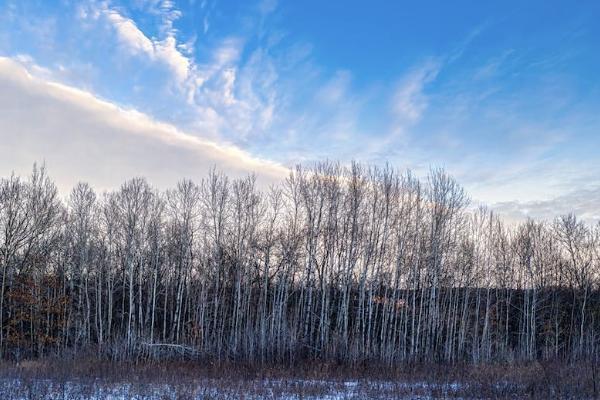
(204, 389)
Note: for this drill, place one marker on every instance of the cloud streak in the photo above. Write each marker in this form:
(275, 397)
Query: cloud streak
(82, 137)
(409, 100)
(585, 203)
(165, 51)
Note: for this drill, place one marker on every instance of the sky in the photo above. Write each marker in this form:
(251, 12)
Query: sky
(504, 95)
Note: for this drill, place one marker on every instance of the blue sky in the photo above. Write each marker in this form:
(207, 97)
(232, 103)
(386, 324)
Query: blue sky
(504, 95)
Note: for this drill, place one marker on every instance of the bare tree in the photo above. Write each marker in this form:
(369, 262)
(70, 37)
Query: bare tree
(348, 263)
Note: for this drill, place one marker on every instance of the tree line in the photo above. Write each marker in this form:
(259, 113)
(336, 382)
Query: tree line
(340, 263)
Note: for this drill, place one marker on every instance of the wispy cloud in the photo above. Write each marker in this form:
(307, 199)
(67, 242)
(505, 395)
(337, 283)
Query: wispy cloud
(506, 116)
(228, 96)
(165, 50)
(409, 101)
(585, 203)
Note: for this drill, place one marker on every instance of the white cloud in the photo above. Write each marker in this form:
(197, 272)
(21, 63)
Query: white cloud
(225, 56)
(336, 89)
(205, 24)
(407, 105)
(585, 203)
(213, 89)
(82, 137)
(129, 34)
(267, 6)
(234, 98)
(409, 100)
(166, 50)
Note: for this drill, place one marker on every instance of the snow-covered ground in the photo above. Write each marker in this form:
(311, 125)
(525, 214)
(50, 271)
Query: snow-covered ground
(41, 389)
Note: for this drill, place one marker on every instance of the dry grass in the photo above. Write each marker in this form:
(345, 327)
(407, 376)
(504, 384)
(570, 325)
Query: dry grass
(81, 377)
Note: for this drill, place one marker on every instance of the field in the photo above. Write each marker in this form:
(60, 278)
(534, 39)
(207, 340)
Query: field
(82, 379)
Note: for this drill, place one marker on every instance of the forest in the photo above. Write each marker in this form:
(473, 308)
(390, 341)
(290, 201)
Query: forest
(341, 263)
